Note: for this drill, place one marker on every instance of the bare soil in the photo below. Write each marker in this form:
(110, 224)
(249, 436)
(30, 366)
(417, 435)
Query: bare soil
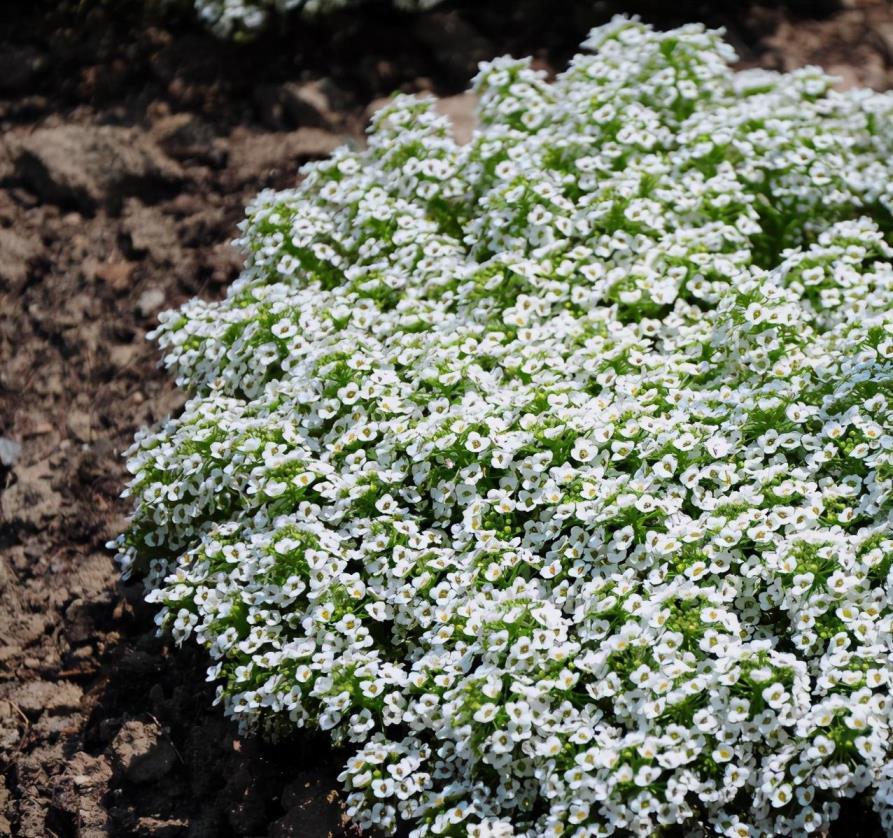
(128, 149)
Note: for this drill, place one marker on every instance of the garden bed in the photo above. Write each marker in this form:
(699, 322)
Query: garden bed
(128, 152)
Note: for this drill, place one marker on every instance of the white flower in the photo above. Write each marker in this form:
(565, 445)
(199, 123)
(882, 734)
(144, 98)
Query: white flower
(583, 451)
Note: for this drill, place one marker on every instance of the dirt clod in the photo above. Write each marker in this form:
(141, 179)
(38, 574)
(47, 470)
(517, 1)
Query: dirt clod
(79, 793)
(308, 104)
(269, 159)
(17, 253)
(38, 697)
(116, 275)
(184, 136)
(89, 165)
(141, 753)
(151, 232)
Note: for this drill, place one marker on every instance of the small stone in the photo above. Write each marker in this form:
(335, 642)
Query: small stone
(150, 301)
(10, 450)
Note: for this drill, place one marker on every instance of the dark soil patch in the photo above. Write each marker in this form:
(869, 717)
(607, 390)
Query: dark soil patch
(128, 149)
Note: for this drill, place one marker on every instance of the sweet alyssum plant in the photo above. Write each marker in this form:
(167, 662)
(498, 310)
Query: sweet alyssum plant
(554, 472)
(229, 18)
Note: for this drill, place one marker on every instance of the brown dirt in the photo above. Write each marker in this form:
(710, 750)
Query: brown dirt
(128, 150)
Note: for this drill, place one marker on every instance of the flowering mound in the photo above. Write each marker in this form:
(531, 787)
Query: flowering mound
(234, 17)
(555, 471)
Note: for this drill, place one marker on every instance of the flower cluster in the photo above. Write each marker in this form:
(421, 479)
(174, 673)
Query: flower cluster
(238, 17)
(554, 471)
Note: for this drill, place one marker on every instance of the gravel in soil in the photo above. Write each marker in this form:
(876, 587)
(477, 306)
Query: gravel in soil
(128, 150)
